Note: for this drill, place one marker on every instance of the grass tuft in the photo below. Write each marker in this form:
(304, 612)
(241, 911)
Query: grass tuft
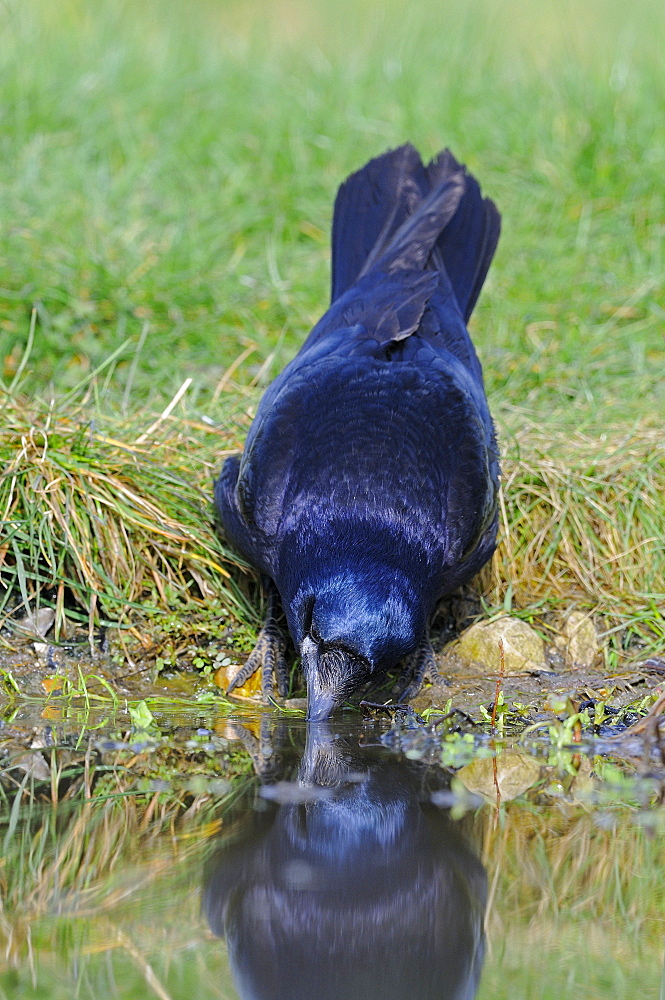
(583, 525)
(93, 521)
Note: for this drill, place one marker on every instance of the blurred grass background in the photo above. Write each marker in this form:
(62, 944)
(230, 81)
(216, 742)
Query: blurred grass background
(179, 167)
(167, 176)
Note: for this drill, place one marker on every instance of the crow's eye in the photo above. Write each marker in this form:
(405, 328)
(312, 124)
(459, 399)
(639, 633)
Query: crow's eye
(314, 635)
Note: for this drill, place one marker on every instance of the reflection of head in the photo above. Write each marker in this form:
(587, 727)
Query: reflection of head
(358, 893)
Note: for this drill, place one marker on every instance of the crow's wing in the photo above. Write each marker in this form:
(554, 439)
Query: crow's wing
(393, 436)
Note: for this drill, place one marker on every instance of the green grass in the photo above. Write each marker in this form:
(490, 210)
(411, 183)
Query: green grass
(167, 180)
(180, 170)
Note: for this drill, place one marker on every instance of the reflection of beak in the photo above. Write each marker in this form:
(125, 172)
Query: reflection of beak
(323, 763)
(322, 698)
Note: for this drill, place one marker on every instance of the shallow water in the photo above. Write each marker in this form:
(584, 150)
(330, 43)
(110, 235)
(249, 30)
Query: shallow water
(247, 856)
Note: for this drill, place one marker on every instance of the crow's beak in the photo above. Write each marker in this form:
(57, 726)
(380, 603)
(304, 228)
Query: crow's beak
(322, 699)
(320, 705)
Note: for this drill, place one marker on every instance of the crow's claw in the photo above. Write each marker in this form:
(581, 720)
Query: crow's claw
(419, 663)
(268, 654)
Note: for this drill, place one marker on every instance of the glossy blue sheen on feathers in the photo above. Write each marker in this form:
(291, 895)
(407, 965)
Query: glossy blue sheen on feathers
(368, 485)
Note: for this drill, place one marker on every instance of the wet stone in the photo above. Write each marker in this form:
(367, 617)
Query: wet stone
(296, 703)
(523, 649)
(581, 642)
(37, 624)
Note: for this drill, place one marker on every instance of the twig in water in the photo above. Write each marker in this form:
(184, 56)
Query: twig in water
(499, 681)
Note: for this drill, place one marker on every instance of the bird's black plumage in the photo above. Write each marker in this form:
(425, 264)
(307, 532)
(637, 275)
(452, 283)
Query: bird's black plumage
(368, 485)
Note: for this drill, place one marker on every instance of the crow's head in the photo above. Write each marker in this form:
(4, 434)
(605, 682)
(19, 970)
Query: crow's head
(332, 673)
(348, 633)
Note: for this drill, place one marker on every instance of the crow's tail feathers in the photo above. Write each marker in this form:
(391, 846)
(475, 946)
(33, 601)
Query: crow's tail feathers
(467, 244)
(398, 214)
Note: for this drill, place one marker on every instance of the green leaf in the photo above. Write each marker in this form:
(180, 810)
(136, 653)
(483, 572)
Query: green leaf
(141, 716)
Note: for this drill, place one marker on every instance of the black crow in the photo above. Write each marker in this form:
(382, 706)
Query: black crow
(368, 485)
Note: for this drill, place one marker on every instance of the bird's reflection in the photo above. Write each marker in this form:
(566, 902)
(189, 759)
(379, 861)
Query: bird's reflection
(349, 884)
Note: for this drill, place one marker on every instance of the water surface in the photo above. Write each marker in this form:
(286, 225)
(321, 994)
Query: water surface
(253, 856)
